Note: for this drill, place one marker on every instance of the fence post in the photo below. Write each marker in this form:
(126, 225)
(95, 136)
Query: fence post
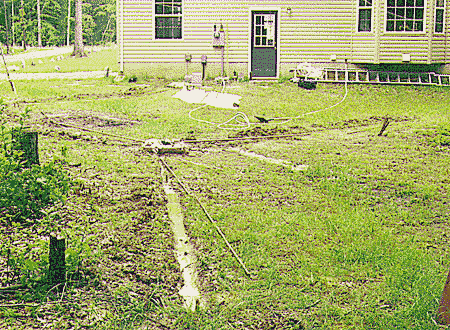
(27, 142)
(57, 260)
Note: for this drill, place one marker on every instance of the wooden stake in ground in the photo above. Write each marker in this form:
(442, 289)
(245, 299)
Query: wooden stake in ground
(57, 261)
(444, 304)
(27, 142)
(7, 73)
(385, 125)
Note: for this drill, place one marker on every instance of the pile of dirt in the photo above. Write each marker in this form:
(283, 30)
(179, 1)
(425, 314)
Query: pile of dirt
(352, 123)
(156, 87)
(92, 120)
(260, 131)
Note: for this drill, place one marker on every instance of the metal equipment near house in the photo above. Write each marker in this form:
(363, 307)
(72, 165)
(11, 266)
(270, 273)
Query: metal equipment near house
(219, 41)
(204, 61)
(218, 37)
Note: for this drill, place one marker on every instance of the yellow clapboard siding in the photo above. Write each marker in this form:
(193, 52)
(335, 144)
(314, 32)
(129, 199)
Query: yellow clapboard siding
(315, 29)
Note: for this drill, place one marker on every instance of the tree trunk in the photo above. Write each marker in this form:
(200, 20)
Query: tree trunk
(22, 23)
(57, 261)
(79, 48)
(68, 24)
(12, 24)
(39, 23)
(7, 27)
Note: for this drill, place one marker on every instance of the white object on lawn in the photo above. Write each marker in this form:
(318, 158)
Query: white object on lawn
(218, 100)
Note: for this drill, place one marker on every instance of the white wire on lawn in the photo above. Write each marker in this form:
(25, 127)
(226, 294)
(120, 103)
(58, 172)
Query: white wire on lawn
(241, 124)
(288, 119)
(245, 124)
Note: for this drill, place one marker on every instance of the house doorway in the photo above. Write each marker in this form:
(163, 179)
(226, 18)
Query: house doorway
(264, 44)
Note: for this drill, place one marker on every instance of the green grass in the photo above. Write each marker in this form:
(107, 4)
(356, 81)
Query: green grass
(357, 241)
(344, 233)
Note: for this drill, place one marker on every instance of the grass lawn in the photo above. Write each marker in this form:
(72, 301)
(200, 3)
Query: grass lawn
(356, 239)
(96, 61)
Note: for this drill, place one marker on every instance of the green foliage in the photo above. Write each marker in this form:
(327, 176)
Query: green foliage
(99, 21)
(283, 79)
(25, 192)
(442, 137)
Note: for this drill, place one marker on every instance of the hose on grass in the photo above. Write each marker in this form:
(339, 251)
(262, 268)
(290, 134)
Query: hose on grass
(288, 119)
(240, 117)
(243, 121)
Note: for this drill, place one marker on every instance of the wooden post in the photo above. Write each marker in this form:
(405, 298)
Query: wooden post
(57, 261)
(444, 304)
(27, 142)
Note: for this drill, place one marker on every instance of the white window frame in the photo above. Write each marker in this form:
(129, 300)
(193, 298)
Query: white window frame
(371, 17)
(436, 8)
(424, 31)
(155, 15)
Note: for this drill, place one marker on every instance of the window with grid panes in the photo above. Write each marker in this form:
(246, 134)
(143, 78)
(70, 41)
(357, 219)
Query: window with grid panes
(405, 15)
(439, 16)
(365, 16)
(168, 19)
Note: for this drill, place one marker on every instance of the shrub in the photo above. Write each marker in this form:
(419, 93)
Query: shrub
(25, 192)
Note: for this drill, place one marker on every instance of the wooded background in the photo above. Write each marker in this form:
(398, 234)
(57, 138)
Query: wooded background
(99, 22)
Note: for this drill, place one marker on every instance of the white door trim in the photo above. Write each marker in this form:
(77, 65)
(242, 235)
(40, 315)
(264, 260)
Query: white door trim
(262, 8)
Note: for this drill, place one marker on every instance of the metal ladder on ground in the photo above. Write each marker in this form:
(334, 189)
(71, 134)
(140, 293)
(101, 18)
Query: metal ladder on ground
(384, 77)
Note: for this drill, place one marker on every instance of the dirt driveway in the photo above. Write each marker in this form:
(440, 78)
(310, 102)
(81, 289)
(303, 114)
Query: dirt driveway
(56, 75)
(36, 53)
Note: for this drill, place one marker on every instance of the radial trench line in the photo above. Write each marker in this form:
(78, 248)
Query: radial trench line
(184, 250)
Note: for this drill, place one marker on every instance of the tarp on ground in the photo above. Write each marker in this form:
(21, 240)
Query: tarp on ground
(218, 100)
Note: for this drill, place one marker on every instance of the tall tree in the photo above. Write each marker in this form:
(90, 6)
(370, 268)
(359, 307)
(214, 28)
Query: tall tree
(7, 28)
(68, 24)
(39, 23)
(22, 24)
(78, 50)
(13, 16)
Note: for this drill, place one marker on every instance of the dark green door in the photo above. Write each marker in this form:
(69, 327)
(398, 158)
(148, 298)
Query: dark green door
(264, 44)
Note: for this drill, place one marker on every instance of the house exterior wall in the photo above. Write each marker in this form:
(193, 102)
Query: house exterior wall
(311, 32)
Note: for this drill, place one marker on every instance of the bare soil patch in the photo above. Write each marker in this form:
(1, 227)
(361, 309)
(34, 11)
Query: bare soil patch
(91, 120)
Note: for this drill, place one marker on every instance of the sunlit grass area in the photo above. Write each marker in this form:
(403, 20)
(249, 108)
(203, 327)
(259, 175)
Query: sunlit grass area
(350, 232)
(97, 59)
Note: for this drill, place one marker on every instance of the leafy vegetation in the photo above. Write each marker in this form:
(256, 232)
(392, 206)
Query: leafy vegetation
(99, 22)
